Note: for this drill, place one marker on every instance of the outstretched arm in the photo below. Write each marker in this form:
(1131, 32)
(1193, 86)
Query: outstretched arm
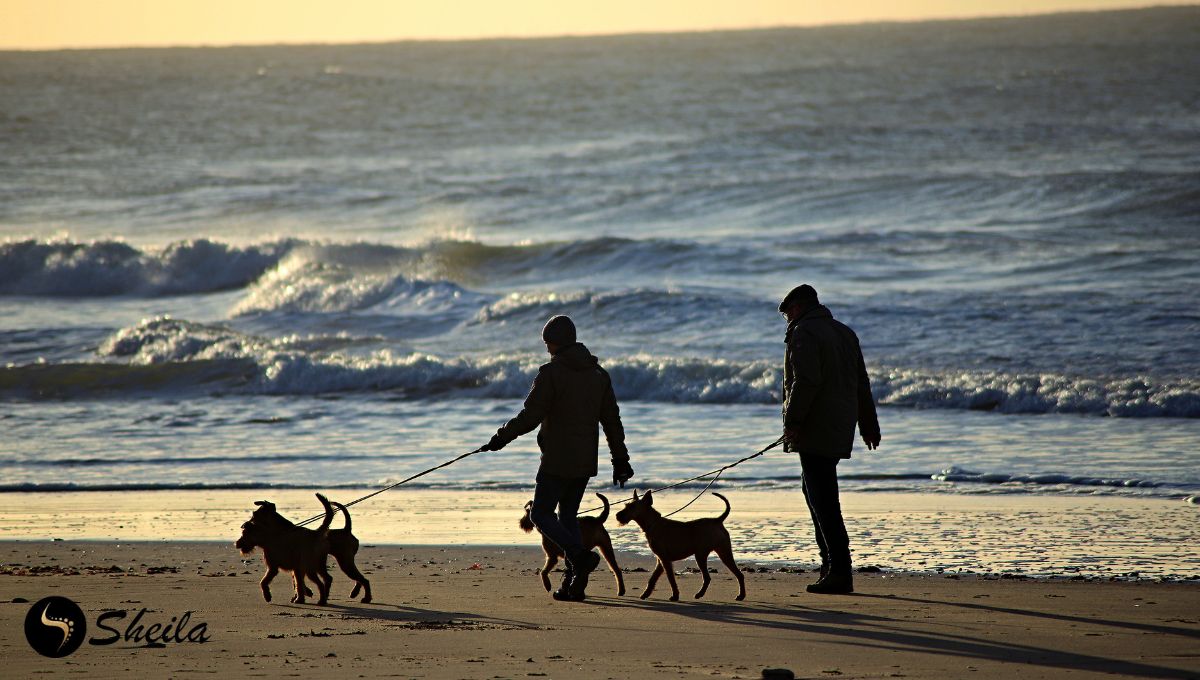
(531, 415)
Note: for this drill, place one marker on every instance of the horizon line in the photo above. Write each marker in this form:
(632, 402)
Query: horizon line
(631, 33)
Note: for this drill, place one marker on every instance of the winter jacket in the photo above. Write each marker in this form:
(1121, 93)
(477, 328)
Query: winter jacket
(571, 398)
(825, 386)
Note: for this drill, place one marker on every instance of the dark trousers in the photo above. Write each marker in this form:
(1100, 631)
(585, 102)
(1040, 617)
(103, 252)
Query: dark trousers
(819, 481)
(565, 493)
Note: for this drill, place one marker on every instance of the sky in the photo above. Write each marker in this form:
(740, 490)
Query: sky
(52, 24)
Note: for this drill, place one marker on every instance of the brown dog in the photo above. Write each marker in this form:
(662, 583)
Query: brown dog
(289, 547)
(671, 540)
(594, 536)
(344, 546)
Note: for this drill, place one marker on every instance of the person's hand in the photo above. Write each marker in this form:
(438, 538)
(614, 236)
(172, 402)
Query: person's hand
(494, 444)
(622, 472)
(872, 441)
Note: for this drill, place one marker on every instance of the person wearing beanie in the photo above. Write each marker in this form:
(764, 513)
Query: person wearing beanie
(571, 399)
(826, 392)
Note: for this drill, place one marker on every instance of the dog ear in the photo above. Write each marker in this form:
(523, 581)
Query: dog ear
(266, 504)
(635, 496)
(649, 497)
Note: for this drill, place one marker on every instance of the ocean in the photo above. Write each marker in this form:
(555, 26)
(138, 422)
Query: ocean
(327, 266)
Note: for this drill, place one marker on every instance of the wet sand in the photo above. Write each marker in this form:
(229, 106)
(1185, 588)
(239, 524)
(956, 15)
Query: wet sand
(1089, 536)
(480, 612)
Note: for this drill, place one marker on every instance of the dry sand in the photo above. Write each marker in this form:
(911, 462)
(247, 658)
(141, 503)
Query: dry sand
(437, 615)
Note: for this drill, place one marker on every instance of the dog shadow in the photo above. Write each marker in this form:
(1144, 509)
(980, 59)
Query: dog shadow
(414, 616)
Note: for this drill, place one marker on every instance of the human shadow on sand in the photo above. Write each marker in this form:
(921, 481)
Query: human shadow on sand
(884, 633)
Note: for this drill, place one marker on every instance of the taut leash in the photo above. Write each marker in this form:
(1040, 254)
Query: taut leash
(716, 472)
(314, 518)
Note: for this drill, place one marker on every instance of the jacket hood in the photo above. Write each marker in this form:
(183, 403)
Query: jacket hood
(575, 357)
(817, 311)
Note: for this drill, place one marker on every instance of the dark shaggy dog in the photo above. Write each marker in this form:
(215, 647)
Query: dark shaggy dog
(289, 547)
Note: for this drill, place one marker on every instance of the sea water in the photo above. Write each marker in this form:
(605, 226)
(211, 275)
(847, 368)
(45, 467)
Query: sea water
(328, 266)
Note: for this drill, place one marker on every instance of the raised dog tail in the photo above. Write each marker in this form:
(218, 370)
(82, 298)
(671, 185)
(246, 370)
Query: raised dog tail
(604, 513)
(345, 513)
(525, 523)
(726, 513)
(324, 528)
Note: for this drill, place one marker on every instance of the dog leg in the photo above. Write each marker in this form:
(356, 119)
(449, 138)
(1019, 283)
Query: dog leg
(658, 571)
(322, 579)
(725, 552)
(551, 560)
(702, 562)
(671, 579)
(360, 582)
(298, 574)
(265, 583)
(606, 549)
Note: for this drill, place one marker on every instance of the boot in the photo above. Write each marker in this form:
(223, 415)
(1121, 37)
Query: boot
(584, 564)
(836, 582)
(564, 591)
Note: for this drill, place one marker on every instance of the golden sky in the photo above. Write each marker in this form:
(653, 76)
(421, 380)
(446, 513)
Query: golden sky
(47, 24)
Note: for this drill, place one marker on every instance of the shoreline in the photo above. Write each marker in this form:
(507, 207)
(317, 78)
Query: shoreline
(1092, 537)
(476, 612)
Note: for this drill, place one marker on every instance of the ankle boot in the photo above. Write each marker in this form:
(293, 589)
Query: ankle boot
(584, 563)
(836, 582)
(564, 590)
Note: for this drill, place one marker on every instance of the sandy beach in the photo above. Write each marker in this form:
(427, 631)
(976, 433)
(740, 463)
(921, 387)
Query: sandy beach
(479, 612)
(472, 607)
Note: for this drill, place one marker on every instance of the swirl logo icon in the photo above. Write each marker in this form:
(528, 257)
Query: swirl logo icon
(55, 626)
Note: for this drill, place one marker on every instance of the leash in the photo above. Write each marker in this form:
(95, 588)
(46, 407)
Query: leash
(356, 501)
(716, 472)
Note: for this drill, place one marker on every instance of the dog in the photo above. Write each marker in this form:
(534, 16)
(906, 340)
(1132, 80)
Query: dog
(343, 545)
(594, 536)
(671, 540)
(289, 547)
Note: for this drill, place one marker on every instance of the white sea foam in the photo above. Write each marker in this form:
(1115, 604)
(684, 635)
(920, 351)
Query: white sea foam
(301, 365)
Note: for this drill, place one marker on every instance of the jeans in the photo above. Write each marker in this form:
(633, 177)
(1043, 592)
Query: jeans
(819, 482)
(565, 493)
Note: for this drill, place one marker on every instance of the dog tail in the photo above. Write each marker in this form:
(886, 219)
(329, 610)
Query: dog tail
(525, 523)
(603, 514)
(726, 513)
(328, 514)
(345, 513)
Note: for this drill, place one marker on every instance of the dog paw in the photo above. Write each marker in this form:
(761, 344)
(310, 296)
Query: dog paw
(267, 596)
(739, 598)
(674, 598)
(366, 600)
(645, 595)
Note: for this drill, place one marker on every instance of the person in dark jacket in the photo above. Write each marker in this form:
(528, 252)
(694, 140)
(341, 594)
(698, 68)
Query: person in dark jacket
(571, 398)
(826, 392)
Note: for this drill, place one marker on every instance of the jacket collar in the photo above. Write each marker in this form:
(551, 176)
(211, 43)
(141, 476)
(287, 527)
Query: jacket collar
(817, 311)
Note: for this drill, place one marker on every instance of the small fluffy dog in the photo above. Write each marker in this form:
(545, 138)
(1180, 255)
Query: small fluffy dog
(289, 547)
(671, 540)
(594, 536)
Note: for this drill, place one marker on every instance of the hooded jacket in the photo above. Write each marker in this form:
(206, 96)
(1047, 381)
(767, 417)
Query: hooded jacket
(825, 386)
(571, 398)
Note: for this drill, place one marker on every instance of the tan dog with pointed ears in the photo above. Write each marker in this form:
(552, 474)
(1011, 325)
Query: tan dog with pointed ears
(671, 540)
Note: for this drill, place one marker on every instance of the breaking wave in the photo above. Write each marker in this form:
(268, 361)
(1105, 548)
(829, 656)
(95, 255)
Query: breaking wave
(168, 354)
(106, 268)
